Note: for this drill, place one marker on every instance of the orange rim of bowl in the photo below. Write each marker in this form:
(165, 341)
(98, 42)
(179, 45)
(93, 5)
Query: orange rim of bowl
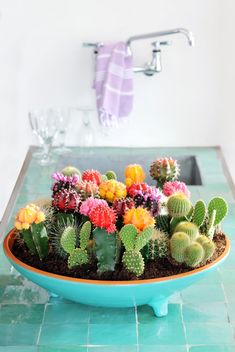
(10, 238)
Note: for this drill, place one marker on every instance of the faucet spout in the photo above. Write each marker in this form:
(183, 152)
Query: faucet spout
(183, 31)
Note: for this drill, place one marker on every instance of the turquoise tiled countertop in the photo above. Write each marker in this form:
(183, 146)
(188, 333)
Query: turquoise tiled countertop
(201, 318)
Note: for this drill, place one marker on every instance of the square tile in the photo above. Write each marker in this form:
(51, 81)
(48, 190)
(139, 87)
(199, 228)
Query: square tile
(67, 313)
(108, 334)
(210, 293)
(208, 333)
(161, 333)
(63, 334)
(205, 312)
(115, 315)
(21, 313)
(18, 334)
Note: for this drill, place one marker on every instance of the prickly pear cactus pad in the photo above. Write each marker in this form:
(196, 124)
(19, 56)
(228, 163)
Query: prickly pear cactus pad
(99, 227)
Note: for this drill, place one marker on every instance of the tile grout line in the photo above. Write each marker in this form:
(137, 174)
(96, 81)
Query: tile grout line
(40, 329)
(137, 329)
(88, 331)
(184, 326)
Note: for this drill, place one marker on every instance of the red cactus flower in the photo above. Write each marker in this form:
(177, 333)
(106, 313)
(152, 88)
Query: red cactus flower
(66, 201)
(104, 217)
(137, 188)
(92, 175)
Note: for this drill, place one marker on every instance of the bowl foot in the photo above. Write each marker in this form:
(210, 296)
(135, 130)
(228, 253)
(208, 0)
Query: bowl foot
(160, 308)
(53, 295)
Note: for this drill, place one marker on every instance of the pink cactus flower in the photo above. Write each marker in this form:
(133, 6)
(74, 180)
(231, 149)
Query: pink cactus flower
(170, 188)
(90, 203)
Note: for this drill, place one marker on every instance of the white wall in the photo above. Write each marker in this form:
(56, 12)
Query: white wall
(42, 63)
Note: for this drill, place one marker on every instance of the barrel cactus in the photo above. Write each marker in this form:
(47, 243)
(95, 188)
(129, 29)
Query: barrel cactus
(178, 244)
(178, 205)
(158, 246)
(193, 254)
(189, 228)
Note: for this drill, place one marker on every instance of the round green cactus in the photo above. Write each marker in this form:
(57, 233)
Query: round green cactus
(221, 207)
(208, 246)
(178, 244)
(134, 262)
(111, 175)
(178, 205)
(70, 171)
(189, 228)
(194, 254)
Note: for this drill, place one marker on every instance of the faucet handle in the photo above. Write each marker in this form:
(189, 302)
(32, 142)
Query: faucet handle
(157, 44)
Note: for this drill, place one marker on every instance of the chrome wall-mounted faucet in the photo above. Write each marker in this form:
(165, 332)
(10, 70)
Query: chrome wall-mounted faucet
(155, 65)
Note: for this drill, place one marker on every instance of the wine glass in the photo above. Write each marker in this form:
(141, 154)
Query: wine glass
(86, 138)
(64, 115)
(45, 125)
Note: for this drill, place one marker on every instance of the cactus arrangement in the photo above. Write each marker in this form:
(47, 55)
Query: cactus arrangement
(96, 221)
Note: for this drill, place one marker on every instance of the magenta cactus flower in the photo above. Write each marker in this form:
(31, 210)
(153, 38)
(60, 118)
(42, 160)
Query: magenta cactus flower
(173, 187)
(90, 203)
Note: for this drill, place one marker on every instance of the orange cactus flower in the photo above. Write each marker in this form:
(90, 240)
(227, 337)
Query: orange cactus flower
(27, 216)
(139, 217)
(134, 174)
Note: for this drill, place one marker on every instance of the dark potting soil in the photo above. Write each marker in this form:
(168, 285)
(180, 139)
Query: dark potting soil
(153, 269)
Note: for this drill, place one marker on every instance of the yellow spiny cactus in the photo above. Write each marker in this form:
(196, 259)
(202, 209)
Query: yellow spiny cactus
(112, 190)
(27, 216)
(134, 174)
(139, 217)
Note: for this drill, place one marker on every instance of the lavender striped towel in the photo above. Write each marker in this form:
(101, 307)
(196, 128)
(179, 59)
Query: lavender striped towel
(113, 83)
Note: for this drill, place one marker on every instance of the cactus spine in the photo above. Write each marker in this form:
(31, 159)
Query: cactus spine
(77, 256)
(178, 244)
(194, 254)
(158, 246)
(133, 242)
(199, 213)
(178, 205)
(189, 228)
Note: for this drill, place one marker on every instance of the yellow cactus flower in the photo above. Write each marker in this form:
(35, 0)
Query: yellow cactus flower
(139, 217)
(112, 190)
(40, 217)
(27, 216)
(134, 174)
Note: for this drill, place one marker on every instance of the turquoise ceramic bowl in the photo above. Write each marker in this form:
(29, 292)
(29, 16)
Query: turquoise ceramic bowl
(154, 292)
